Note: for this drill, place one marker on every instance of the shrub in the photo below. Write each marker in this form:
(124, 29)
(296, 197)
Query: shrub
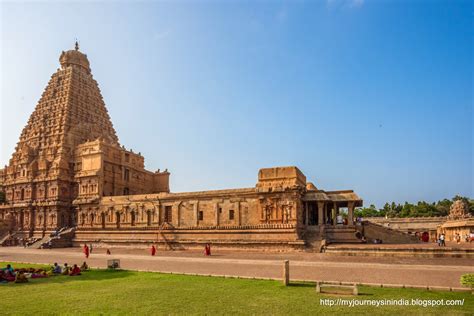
(468, 280)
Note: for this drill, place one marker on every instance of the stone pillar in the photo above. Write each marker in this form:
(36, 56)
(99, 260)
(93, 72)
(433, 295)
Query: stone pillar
(237, 207)
(175, 216)
(286, 272)
(321, 213)
(350, 213)
(334, 214)
(216, 209)
(158, 214)
(45, 218)
(196, 210)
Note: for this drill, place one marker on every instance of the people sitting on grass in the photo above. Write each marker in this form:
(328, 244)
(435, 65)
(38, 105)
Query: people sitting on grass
(6, 276)
(56, 268)
(75, 271)
(20, 277)
(8, 268)
(66, 269)
(84, 266)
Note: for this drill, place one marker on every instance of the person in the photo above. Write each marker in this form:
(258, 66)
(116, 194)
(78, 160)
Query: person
(108, 252)
(458, 238)
(66, 269)
(20, 277)
(8, 269)
(8, 273)
(84, 266)
(207, 250)
(75, 271)
(442, 241)
(85, 249)
(90, 248)
(6, 276)
(153, 250)
(56, 269)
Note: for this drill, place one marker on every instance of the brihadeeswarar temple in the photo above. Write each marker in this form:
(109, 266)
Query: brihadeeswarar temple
(70, 176)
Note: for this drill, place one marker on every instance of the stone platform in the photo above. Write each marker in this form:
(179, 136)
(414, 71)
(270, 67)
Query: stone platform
(423, 250)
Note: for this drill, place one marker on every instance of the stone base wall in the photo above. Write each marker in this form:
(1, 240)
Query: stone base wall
(272, 239)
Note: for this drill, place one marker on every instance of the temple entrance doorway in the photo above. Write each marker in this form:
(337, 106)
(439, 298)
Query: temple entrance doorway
(313, 216)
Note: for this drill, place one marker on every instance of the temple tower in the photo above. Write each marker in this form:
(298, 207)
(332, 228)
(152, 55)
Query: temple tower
(44, 175)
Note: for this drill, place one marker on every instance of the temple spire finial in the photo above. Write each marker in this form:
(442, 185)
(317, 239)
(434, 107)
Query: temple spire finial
(76, 46)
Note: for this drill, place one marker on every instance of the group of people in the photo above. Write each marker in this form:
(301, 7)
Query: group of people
(67, 270)
(87, 250)
(21, 275)
(467, 237)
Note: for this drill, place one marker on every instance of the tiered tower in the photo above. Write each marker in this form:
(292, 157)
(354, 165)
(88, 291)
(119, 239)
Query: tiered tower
(45, 173)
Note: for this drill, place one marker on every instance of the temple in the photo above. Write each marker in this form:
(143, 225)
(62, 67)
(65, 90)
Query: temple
(70, 175)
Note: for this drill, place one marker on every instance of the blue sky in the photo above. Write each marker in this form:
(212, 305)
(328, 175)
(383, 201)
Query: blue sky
(374, 96)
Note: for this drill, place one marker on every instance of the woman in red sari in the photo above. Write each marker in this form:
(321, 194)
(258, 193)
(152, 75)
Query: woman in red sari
(86, 251)
(153, 250)
(207, 250)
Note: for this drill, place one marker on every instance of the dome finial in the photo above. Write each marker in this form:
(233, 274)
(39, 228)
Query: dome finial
(77, 45)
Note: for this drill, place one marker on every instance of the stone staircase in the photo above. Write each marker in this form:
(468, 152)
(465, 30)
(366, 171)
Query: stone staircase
(8, 240)
(341, 235)
(4, 238)
(62, 240)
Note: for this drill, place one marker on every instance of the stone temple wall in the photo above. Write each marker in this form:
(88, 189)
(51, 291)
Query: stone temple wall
(226, 218)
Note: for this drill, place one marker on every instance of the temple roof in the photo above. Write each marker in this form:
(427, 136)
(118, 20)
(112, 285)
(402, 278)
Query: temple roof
(74, 57)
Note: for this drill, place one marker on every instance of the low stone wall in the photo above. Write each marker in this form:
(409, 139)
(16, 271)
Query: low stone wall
(273, 239)
(400, 252)
(409, 224)
(373, 231)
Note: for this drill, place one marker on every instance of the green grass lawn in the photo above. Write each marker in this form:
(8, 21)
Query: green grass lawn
(129, 292)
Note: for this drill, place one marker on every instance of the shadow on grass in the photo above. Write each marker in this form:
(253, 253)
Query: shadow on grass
(91, 275)
(333, 292)
(302, 284)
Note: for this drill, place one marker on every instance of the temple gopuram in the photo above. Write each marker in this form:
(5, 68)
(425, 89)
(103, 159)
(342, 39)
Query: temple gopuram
(70, 182)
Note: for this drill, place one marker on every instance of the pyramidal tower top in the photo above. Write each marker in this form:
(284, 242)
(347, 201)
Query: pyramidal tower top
(74, 57)
(70, 112)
